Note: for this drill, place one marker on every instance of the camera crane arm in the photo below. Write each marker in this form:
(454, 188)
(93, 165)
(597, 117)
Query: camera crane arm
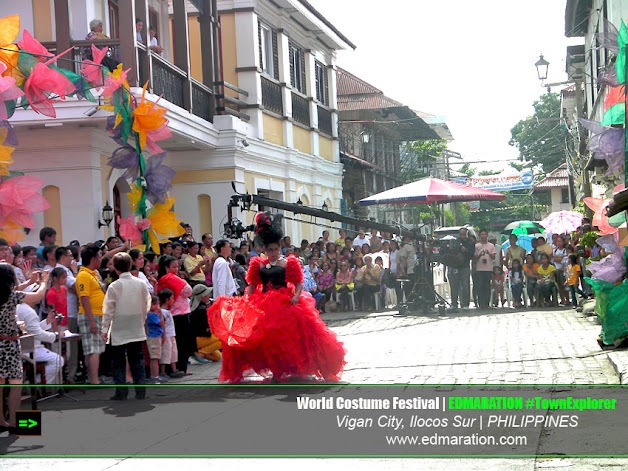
(245, 201)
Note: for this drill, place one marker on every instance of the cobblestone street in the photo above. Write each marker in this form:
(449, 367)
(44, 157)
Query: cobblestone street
(500, 346)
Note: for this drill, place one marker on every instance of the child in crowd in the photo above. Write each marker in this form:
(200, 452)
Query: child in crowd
(497, 284)
(573, 278)
(57, 295)
(169, 353)
(155, 339)
(516, 281)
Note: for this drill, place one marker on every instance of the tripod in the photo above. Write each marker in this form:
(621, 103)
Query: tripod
(59, 377)
(422, 293)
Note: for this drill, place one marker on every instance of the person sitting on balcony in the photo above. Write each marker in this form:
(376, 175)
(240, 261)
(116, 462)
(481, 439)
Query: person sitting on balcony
(154, 44)
(95, 33)
(138, 30)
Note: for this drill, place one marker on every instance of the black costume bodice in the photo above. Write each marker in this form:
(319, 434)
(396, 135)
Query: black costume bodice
(273, 277)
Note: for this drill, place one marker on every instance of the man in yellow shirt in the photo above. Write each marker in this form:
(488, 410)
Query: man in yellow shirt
(91, 297)
(195, 265)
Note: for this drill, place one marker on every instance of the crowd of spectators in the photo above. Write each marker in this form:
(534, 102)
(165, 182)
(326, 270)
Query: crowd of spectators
(550, 274)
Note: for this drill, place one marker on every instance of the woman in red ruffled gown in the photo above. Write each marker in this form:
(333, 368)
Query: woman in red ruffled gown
(275, 329)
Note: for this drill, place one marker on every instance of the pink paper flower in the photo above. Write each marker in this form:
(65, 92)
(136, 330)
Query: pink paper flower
(29, 44)
(8, 91)
(19, 200)
(129, 229)
(43, 81)
(92, 70)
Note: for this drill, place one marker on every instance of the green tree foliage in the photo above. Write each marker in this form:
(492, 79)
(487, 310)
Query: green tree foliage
(488, 173)
(467, 170)
(541, 137)
(417, 156)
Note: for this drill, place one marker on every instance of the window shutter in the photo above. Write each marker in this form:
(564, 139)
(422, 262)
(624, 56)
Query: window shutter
(259, 39)
(303, 82)
(291, 54)
(275, 56)
(317, 84)
(326, 81)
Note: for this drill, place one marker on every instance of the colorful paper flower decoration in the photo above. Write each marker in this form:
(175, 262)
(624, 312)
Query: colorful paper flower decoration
(29, 44)
(158, 178)
(606, 143)
(600, 219)
(156, 135)
(19, 199)
(5, 152)
(126, 157)
(129, 229)
(147, 117)
(135, 197)
(8, 91)
(9, 30)
(114, 80)
(92, 70)
(44, 81)
(164, 222)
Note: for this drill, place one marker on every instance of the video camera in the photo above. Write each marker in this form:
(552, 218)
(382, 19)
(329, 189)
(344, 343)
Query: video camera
(234, 229)
(443, 250)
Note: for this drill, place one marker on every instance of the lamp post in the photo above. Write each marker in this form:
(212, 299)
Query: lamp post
(541, 68)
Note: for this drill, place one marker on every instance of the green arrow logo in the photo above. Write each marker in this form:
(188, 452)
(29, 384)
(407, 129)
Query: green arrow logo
(30, 423)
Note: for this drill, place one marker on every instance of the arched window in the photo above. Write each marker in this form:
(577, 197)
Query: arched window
(205, 214)
(52, 216)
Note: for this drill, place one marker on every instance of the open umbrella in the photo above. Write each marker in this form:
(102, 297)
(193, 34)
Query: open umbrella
(562, 222)
(431, 190)
(522, 227)
(523, 240)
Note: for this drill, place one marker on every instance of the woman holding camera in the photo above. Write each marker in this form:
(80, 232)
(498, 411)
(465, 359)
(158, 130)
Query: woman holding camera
(10, 359)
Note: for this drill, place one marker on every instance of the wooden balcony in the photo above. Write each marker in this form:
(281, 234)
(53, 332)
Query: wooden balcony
(301, 109)
(272, 98)
(172, 81)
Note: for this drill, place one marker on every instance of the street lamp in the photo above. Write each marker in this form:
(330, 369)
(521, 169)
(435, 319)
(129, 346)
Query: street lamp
(299, 202)
(325, 207)
(107, 215)
(541, 68)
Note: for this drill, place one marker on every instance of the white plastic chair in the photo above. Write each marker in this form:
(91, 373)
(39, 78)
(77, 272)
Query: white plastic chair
(351, 299)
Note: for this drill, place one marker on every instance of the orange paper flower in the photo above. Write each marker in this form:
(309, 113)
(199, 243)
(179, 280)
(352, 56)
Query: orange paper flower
(9, 29)
(147, 117)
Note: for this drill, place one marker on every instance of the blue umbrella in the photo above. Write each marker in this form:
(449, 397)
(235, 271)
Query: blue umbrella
(523, 240)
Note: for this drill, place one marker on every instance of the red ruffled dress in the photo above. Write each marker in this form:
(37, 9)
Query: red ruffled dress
(266, 334)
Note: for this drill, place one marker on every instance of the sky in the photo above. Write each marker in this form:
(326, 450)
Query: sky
(471, 62)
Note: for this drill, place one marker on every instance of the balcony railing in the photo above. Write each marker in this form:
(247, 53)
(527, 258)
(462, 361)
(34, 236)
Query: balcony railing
(202, 99)
(272, 98)
(169, 81)
(325, 121)
(301, 109)
(165, 79)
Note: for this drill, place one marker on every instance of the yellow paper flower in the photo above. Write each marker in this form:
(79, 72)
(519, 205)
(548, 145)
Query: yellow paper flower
(164, 222)
(147, 117)
(135, 195)
(9, 29)
(12, 232)
(5, 153)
